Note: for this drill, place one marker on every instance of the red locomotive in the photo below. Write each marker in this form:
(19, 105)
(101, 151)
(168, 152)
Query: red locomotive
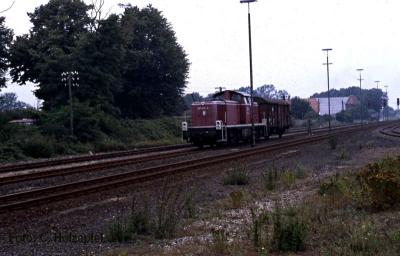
(226, 118)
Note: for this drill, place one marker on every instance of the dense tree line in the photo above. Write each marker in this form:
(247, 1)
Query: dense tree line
(129, 65)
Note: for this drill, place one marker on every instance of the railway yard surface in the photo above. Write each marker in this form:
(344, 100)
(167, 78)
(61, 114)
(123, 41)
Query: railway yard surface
(196, 208)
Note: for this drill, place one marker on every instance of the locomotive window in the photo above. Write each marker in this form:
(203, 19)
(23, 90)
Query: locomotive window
(236, 97)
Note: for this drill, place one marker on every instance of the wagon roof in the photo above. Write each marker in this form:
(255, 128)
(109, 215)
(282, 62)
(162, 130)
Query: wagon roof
(261, 100)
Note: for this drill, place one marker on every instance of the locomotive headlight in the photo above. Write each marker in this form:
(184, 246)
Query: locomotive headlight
(218, 125)
(184, 126)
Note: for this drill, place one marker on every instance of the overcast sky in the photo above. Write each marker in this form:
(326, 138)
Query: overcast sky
(288, 36)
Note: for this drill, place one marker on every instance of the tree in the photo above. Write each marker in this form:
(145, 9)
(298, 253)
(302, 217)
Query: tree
(50, 48)
(100, 61)
(9, 101)
(267, 91)
(155, 66)
(299, 107)
(6, 36)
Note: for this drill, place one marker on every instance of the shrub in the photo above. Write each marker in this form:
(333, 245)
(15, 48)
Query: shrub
(289, 232)
(380, 183)
(238, 175)
(332, 187)
(37, 147)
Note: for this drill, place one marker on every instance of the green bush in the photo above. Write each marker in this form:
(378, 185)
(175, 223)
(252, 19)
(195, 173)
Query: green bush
(380, 184)
(237, 175)
(37, 147)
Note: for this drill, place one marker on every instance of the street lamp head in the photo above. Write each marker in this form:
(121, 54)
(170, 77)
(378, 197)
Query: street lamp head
(327, 49)
(360, 69)
(247, 1)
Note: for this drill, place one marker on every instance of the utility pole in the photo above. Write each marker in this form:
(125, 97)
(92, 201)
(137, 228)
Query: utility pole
(329, 94)
(70, 79)
(377, 87)
(387, 104)
(361, 106)
(253, 134)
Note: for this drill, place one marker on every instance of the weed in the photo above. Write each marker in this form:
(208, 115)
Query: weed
(363, 240)
(219, 242)
(333, 142)
(301, 172)
(236, 199)
(237, 175)
(160, 218)
(118, 231)
(288, 178)
(270, 178)
(259, 229)
(343, 155)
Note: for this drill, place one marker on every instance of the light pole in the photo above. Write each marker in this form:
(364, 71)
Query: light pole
(253, 135)
(377, 88)
(361, 106)
(70, 79)
(329, 94)
(386, 110)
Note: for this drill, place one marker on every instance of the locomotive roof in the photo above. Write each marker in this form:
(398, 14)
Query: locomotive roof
(231, 91)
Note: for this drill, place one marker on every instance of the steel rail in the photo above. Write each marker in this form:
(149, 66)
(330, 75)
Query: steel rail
(85, 158)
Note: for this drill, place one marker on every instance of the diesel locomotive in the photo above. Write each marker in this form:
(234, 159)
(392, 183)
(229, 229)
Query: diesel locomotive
(226, 119)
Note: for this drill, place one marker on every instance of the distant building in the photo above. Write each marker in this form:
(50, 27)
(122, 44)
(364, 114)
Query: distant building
(24, 121)
(320, 105)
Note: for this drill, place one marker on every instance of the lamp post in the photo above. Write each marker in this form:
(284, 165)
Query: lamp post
(70, 79)
(253, 135)
(377, 88)
(361, 106)
(329, 94)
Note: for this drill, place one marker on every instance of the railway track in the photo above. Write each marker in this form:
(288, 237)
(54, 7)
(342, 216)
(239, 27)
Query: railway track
(8, 168)
(391, 131)
(32, 174)
(42, 195)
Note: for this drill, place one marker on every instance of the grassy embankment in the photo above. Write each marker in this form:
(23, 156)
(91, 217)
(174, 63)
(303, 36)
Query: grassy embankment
(43, 140)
